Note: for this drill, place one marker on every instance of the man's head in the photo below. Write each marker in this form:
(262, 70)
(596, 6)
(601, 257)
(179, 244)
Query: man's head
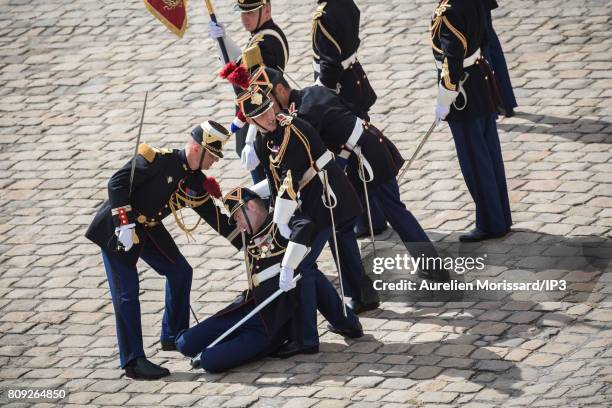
(266, 122)
(246, 209)
(280, 93)
(254, 13)
(206, 145)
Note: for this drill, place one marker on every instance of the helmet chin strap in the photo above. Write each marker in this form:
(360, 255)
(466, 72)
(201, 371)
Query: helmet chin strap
(201, 158)
(259, 18)
(246, 218)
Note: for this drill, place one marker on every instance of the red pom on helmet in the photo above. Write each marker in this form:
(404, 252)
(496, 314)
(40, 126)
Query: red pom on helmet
(227, 69)
(236, 74)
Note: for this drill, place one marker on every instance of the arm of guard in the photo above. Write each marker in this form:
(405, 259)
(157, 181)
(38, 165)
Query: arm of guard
(273, 52)
(219, 221)
(330, 54)
(286, 200)
(454, 47)
(262, 189)
(233, 50)
(148, 165)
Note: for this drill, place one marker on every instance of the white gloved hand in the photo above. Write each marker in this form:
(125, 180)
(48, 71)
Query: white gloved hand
(217, 30)
(441, 112)
(249, 158)
(284, 230)
(125, 235)
(285, 280)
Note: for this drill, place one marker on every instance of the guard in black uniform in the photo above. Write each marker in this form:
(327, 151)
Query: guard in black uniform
(335, 41)
(270, 261)
(495, 55)
(296, 160)
(353, 140)
(467, 99)
(128, 226)
(269, 43)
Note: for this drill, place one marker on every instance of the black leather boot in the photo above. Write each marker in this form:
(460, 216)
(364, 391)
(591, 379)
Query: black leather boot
(140, 367)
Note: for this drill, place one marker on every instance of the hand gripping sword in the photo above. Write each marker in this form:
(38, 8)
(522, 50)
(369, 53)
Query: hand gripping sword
(417, 151)
(327, 202)
(213, 18)
(365, 181)
(252, 313)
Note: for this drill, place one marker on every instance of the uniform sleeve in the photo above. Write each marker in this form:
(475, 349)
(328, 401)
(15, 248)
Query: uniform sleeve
(148, 165)
(454, 47)
(213, 215)
(326, 46)
(302, 232)
(273, 52)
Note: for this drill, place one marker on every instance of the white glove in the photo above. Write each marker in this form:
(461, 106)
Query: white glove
(284, 230)
(285, 280)
(249, 158)
(124, 235)
(441, 112)
(216, 30)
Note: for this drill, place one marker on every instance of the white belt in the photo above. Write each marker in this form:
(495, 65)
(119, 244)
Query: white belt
(268, 273)
(467, 62)
(320, 163)
(355, 135)
(345, 63)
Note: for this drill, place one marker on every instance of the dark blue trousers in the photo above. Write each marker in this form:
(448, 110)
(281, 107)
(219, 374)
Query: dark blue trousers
(124, 287)
(400, 218)
(495, 55)
(482, 165)
(245, 344)
(316, 292)
(350, 260)
(258, 174)
(378, 217)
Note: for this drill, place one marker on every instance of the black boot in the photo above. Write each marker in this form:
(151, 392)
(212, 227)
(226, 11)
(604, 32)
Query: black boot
(353, 333)
(477, 235)
(293, 348)
(140, 367)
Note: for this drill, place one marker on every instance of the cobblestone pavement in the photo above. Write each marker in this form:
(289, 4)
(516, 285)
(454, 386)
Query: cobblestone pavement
(73, 77)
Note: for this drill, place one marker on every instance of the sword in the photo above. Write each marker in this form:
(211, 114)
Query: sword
(252, 313)
(328, 203)
(365, 182)
(120, 247)
(213, 18)
(416, 152)
(144, 107)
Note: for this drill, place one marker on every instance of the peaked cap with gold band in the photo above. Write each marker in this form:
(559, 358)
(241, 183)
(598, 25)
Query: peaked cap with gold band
(236, 198)
(212, 136)
(244, 6)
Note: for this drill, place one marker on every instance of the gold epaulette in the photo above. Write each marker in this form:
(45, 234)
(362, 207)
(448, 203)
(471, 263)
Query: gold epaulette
(147, 152)
(251, 57)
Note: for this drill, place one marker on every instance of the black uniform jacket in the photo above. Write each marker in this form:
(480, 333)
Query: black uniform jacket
(162, 179)
(287, 154)
(265, 249)
(335, 38)
(334, 122)
(458, 30)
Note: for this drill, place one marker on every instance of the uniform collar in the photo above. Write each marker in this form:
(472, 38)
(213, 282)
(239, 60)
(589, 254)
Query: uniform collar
(184, 162)
(265, 26)
(295, 96)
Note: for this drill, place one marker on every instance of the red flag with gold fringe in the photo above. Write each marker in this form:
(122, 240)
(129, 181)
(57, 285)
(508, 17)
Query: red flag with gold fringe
(173, 13)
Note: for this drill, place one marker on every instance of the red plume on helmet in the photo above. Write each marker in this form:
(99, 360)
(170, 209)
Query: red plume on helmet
(236, 74)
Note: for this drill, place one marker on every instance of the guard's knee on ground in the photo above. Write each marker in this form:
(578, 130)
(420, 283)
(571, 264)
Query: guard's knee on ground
(183, 346)
(213, 363)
